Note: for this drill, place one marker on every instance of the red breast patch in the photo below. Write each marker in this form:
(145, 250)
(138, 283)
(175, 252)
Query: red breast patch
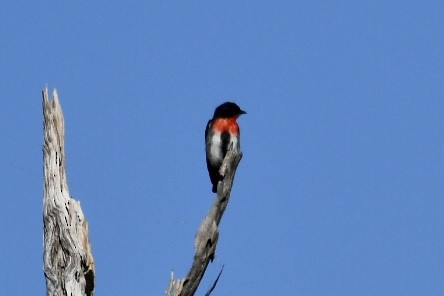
(226, 125)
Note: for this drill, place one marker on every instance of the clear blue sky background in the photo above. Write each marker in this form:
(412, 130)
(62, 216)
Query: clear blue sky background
(340, 190)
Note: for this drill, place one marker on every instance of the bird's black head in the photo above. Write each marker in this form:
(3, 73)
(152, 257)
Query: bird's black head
(228, 110)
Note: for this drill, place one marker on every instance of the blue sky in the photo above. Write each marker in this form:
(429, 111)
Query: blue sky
(340, 188)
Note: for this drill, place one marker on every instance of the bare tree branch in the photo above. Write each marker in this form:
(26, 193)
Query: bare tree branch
(68, 260)
(208, 233)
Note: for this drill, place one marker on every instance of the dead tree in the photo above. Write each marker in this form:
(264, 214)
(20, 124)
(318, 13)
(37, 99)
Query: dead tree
(68, 260)
(208, 233)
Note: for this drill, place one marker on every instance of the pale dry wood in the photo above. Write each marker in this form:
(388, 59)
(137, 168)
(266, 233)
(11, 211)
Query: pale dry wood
(67, 254)
(208, 233)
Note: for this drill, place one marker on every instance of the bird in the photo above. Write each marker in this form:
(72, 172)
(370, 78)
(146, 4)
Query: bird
(221, 131)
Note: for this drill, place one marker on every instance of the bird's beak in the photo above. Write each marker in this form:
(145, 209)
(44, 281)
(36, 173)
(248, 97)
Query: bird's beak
(242, 112)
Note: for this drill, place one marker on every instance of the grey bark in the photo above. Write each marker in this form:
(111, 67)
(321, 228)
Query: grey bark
(68, 261)
(208, 233)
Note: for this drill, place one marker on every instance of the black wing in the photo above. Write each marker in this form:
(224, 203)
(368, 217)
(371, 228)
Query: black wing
(206, 130)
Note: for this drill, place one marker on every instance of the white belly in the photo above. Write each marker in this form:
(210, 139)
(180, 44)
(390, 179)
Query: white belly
(236, 144)
(216, 157)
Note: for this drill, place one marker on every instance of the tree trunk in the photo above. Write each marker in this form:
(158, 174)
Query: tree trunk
(68, 260)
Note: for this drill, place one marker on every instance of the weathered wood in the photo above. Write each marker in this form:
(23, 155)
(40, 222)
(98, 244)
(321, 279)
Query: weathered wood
(208, 233)
(68, 261)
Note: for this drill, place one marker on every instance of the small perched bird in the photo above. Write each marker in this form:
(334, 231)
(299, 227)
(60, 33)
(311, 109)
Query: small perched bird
(221, 131)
